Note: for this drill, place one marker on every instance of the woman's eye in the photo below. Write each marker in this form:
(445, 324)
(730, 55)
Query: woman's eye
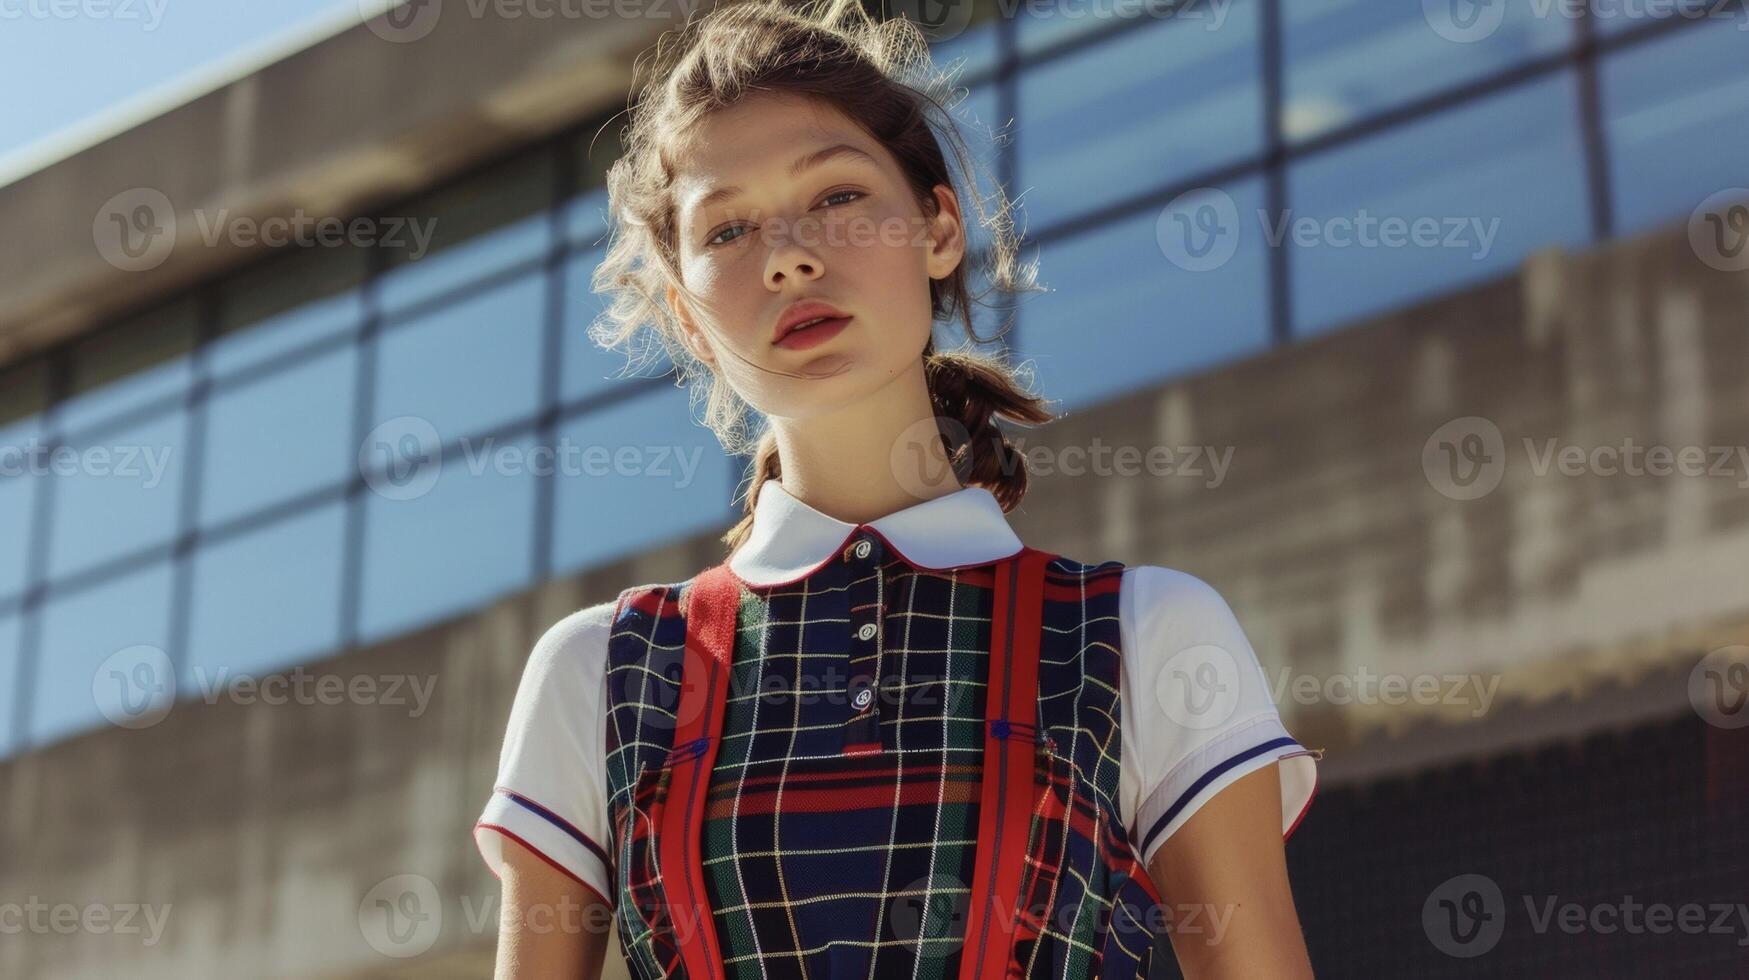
(717, 239)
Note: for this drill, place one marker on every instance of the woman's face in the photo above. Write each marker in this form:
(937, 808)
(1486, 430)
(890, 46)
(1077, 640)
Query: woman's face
(782, 199)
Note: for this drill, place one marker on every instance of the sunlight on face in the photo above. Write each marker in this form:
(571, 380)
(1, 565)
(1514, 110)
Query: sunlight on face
(782, 199)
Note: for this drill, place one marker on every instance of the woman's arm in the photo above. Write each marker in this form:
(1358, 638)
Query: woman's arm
(550, 926)
(1223, 879)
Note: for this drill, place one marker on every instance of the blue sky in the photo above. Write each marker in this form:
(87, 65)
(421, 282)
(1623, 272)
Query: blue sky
(65, 62)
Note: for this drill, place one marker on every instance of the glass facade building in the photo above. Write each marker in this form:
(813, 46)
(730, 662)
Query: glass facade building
(310, 453)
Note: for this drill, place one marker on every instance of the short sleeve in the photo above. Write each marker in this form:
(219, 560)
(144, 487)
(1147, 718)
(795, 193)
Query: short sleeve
(550, 792)
(1197, 709)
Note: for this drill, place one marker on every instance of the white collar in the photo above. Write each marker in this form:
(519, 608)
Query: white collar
(790, 539)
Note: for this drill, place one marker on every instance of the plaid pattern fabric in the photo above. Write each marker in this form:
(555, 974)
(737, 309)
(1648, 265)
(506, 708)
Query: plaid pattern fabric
(839, 833)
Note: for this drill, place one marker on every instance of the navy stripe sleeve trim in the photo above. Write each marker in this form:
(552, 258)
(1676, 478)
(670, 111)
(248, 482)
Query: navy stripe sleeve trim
(559, 822)
(1189, 794)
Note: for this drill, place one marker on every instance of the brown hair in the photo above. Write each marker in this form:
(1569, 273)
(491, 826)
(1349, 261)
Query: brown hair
(878, 74)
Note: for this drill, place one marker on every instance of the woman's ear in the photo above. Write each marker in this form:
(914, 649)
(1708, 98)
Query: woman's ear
(947, 234)
(690, 334)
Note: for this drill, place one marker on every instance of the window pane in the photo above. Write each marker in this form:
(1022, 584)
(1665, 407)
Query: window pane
(976, 43)
(292, 300)
(1042, 26)
(18, 495)
(1131, 307)
(1345, 60)
(80, 632)
(634, 476)
(590, 369)
(1485, 185)
(1174, 98)
(1677, 112)
(279, 436)
(117, 493)
(439, 548)
(977, 123)
(467, 366)
(11, 636)
(483, 225)
(266, 600)
(130, 364)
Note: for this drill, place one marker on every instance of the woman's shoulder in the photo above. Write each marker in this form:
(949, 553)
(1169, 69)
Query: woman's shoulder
(582, 634)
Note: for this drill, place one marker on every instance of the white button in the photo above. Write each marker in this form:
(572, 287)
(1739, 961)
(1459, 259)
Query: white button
(867, 631)
(862, 699)
(862, 549)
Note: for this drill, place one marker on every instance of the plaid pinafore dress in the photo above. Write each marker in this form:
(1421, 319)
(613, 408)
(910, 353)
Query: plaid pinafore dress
(877, 770)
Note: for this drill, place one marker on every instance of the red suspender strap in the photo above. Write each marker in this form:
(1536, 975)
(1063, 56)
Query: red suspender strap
(714, 598)
(1005, 808)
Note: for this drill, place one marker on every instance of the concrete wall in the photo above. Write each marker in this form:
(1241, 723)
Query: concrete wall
(1588, 598)
(377, 111)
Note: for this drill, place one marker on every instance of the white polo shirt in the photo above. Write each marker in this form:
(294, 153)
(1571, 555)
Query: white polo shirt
(1196, 709)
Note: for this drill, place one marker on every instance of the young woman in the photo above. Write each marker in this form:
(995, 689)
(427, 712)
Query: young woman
(883, 738)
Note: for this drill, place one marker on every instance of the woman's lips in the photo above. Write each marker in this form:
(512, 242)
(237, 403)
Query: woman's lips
(815, 335)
